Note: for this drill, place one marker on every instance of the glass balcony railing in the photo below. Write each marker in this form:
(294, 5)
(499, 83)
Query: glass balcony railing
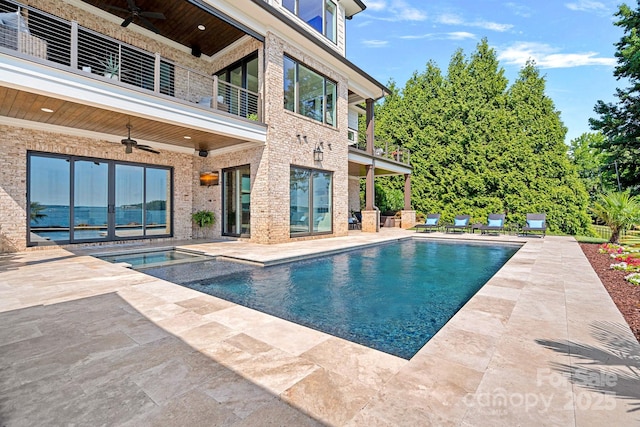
(42, 36)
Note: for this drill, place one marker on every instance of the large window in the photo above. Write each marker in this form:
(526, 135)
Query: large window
(313, 11)
(243, 74)
(78, 199)
(309, 93)
(310, 202)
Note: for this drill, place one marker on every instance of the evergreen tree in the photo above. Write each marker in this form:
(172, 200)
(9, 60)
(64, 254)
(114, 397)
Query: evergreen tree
(620, 123)
(480, 147)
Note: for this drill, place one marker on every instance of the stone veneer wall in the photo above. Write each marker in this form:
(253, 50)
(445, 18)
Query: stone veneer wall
(271, 187)
(354, 194)
(13, 177)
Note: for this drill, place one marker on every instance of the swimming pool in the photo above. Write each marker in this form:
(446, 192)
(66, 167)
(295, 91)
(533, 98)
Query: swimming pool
(147, 259)
(392, 297)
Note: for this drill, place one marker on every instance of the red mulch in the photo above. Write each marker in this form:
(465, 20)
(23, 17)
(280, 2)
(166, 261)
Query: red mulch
(625, 295)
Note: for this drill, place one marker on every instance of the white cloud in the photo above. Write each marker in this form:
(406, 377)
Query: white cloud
(586, 6)
(395, 10)
(546, 56)
(456, 35)
(376, 5)
(519, 9)
(451, 19)
(375, 43)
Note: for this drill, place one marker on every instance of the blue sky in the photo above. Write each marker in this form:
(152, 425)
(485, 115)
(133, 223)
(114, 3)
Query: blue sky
(572, 42)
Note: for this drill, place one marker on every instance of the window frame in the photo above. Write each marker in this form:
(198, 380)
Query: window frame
(311, 206)
(111, 164)
(296, 11)
(326, 112)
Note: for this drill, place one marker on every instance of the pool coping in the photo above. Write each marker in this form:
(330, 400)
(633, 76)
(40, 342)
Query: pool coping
(485, 350)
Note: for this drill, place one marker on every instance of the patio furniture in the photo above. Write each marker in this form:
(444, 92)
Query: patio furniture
(430, 223)
(536, 223)
(460, 222)
(355, 221)
(495, 223)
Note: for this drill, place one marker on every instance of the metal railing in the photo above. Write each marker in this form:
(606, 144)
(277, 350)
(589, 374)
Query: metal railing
(387, 150)
(41, 35)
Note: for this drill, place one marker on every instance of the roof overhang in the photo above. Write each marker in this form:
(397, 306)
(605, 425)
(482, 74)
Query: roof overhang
(351, 7)
(359, 160)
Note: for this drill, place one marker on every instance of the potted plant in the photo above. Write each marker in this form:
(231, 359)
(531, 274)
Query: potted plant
(203, 218)
(111, 66)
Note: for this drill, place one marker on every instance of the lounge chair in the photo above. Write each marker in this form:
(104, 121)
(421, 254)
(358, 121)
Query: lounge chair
(460, 222)
(430, 223)
(495, 223)
(536, 223)
(355, 221)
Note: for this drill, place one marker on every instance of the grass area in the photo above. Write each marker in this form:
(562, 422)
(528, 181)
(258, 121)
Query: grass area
(590, 239)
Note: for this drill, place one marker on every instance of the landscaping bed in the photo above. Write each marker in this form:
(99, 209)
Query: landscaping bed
(625, 295)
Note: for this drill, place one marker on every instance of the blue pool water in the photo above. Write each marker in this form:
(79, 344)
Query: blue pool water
(393, 297)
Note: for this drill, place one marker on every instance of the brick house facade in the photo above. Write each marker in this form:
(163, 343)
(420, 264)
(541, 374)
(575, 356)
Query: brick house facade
(90, 114)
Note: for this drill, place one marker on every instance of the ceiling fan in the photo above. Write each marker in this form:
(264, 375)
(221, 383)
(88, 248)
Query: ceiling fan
(130, 144)
(136, 12)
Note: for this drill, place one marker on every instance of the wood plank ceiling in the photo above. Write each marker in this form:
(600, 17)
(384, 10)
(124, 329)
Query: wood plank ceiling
(181, 23)
(27, 106)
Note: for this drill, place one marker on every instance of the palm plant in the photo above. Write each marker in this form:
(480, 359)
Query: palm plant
(617, 210)
(35, 212)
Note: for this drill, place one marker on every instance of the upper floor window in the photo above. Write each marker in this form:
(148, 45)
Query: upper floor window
(320, 14)
(309, 93)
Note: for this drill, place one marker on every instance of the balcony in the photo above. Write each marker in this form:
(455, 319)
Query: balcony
(65, 45)
(385, 150)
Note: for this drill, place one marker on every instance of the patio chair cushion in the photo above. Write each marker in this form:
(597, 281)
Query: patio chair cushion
(535, 223)
(431, 221)
(459, 222)
(11, 19)
(495, 223)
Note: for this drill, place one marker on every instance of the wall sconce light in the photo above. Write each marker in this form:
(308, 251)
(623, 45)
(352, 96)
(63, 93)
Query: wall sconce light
(209, 178)
(203, 153)
(318, 154)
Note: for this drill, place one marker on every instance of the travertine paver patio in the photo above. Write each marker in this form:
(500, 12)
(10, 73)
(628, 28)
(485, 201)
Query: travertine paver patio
(86, 342)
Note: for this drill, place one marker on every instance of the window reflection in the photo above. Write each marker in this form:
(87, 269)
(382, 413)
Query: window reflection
(72, 200)
(310, 188)
(49, 196)
(315, 94)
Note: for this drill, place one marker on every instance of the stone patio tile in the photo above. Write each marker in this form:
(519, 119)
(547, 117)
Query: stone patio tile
(287, 336)
(194, 408)
(274, 370)
(499, 307)
(472, 349)
(203, 336)
(491, 290)
(162, 312)
(181, 322)
(278, 413)
(167, 291)
(239, 317)
(509, 282)
(177, 376)
(205, 304)
(367, 366)
(329, 397)
(478, 321)
(429, 393)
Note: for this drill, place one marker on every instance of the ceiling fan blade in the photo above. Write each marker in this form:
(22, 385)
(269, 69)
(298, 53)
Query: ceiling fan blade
(147, 148)
(127, 21)
(145, 22)
(153, 15)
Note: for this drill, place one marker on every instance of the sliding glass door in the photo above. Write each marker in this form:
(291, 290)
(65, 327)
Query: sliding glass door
(236, 201)
(74, 199)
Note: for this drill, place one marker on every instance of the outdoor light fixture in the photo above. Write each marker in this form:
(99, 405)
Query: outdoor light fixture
(318, 154)
(207, 179)
(203, 153)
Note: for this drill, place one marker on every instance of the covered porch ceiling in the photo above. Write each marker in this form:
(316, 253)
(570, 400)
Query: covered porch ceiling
(181, 23)
(27, 106)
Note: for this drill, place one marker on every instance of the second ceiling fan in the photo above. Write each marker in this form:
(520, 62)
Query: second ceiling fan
(135, 12)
